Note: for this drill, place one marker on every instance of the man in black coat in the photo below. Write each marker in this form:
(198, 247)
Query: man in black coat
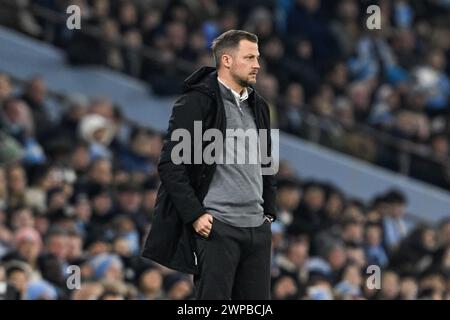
(213, 219)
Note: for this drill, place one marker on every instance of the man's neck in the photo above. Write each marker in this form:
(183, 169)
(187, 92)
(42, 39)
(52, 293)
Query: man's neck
(230, 83)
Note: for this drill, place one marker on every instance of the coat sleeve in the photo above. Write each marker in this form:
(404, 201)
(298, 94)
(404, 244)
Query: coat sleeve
(269, 181)
(174, 177)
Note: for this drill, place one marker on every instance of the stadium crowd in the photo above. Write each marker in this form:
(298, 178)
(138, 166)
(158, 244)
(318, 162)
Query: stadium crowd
(77, 193)
(318, 58)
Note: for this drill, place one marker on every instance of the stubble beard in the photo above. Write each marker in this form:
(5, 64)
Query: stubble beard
(243, 82)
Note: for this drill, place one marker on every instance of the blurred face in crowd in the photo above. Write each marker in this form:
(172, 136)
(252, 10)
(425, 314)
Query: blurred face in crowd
(241, 63)
(334, 205)
(151, 281)
(177, 35)
(348, 10)
(295, 96)
(29, 249)
(130, 201)
(133, 38)
(14, 111)
(114, 272)
(127, 14)
(5, 86)
(408, 289)
(405, 123)
(180, 290)
(322, 106)
(18, 278)
(74, 246)
(314, 198)
(101, 8)
(288, 198)
(58, 245)
(269, 85)
(374, 216)
(197, 41)
(121, 176)
(337, 258)
(57, 200)
(310, 5)
(229, 20)
(360, 95)
(344, 112)
(41, 224)
(273, 49)
(298, 253)
(338, 76)
(156, 143)
(22, 218)
(397, 209)
(444, 234)
(110, 30)
(37, 90)
(304, 49)
(352, 274)
(103, 107)
(121, 247)
(441, 146)
(357, 256)
(17, 180)
(284, 288)
(151, 20)
(101, 172)
(353, 232)
(96, 248)
(83, 210)
(80, 158)
(102, 203)
(373, 235)
(389, 285)
(141, 144)
(2, 273)
(125, 225)
(436, 59)
(429, 240)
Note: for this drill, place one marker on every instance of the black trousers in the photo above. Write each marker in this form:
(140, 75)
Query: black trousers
(234, 263)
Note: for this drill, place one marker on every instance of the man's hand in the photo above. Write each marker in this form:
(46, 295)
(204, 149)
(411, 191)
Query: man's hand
(203, 225)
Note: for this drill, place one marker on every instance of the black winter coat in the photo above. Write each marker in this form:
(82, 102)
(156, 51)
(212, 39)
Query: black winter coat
(170, 241)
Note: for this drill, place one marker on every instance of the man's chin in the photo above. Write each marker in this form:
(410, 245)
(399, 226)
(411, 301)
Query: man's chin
(251, 81)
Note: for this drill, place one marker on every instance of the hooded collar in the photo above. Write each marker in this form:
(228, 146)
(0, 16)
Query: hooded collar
(204, 80)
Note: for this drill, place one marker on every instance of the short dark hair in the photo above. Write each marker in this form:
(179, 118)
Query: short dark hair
(230, 40)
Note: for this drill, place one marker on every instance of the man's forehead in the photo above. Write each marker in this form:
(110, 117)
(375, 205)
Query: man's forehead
(245, 45)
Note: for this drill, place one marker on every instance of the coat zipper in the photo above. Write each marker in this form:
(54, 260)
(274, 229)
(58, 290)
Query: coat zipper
(195, 258)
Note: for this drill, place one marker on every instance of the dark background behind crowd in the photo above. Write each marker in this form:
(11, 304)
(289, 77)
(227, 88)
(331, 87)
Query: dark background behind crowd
(78, 186)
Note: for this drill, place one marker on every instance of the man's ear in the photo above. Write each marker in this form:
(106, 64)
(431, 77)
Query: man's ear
(227, 60)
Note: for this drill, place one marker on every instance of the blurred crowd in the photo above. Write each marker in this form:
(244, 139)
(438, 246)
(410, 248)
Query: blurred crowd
(318, 58)
(77, 194)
